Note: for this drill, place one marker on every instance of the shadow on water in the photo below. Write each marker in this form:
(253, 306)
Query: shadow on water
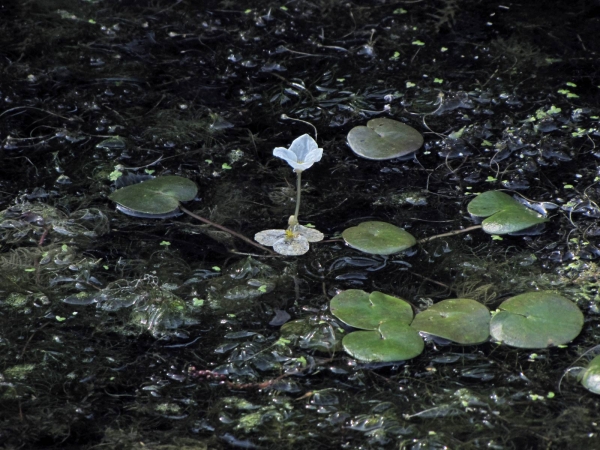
(127, 333)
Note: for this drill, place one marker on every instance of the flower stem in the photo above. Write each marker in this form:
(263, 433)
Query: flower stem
(298, 192)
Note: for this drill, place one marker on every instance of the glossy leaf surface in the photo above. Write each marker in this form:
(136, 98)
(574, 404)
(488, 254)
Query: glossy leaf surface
(536, 320)
(367, 311)
(392, 341)
(384, 139)
(159, 195)
(378, 238)
(460, 320)
(504, 213)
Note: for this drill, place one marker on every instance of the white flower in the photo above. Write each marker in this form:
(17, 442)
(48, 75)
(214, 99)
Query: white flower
(291, 242)
(302, 154)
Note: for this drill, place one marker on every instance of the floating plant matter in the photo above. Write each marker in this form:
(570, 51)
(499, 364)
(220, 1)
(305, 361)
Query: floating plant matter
(384, 139)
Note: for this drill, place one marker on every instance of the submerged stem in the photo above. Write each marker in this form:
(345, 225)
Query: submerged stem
(298, 192)
(221, 227)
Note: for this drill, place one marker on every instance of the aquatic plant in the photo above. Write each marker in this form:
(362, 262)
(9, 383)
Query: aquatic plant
(530, 320)
(293, 241)
(383, 139)
(504, 214)
(161, 197)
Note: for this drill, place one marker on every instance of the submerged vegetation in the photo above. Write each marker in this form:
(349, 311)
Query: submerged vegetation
(171, 328)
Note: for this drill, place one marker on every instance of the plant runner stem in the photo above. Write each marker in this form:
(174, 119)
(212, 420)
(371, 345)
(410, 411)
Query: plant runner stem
(450, 233)
(221, 227)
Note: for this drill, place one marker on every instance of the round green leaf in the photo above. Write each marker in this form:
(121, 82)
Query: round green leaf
(504, 214)
(378, 238)
(536, 320)
(393, 341)
(384, 139)
(460, 320)
(489, 203)
(159, 195)
(590, 378)
(511, 221)
(367, 311)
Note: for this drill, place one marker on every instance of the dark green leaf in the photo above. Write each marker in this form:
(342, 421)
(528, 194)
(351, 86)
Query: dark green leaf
(393, 341)
(156, 196)
(378, 238)
(504, 214)
(459, 320)
(367, 311)
(536, 320)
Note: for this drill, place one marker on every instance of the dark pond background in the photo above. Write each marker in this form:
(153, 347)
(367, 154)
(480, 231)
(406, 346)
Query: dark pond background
(125, 333)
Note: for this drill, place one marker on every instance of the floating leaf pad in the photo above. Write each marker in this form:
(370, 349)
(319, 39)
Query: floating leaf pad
(504, 214)
(159, 195)
(536, 320)
(384, 139)
(590, 378)
(393, 341)
(378, 238)
(367, 311)
(460, 320)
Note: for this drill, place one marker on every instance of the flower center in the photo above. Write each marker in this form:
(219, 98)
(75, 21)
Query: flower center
(289, 234)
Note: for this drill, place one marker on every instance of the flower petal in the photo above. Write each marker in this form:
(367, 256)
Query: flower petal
(269, 237)
(291, 247)
(310, 234)
(288, 156)
(302, 146)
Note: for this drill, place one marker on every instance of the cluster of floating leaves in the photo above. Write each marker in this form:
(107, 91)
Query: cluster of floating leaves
(529, 320)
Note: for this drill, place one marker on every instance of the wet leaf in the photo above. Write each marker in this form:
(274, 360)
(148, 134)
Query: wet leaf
(590, 377)
(378, 238)
(156, 196)
(392, 341)
(384, 139)
(367, 311)
(504, 214)
(536, 320)
(460, 320)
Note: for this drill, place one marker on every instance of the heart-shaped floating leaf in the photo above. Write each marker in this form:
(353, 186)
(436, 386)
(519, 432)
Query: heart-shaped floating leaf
(157, 196)
(367, 311)
(460, 320)
(536, 320)
(378, 238)
(384, 139)
(590, 377)
(392, 341)
(504, 214)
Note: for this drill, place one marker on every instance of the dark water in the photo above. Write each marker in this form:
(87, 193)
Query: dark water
(124, 333)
